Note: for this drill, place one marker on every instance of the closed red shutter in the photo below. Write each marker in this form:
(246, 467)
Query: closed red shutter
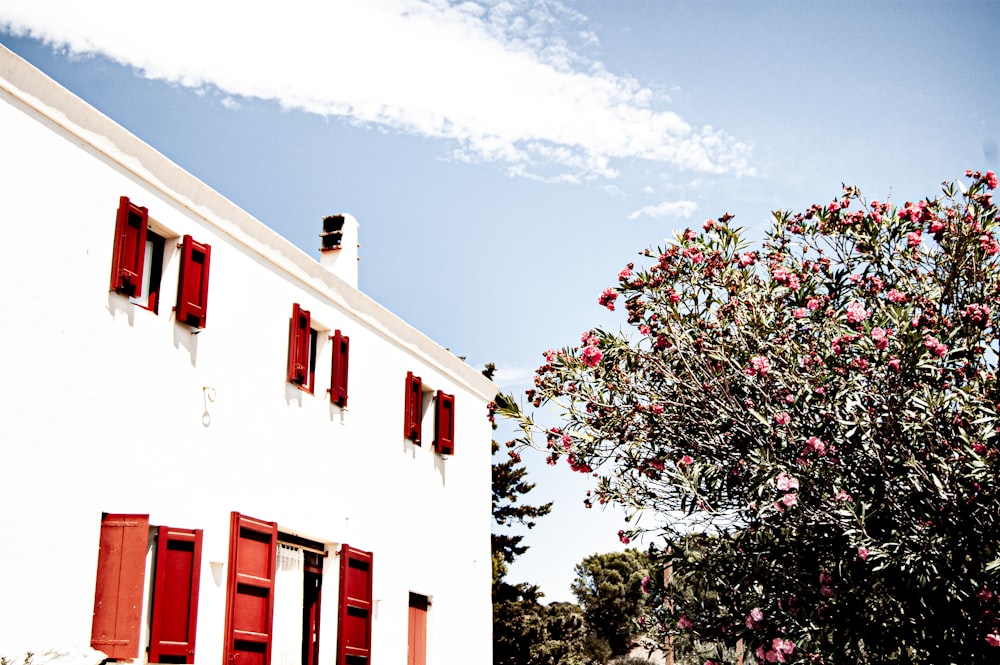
(354, 632)
(250, 591)
(444, 424)
(338, 371)
(417, 630)
(175, 595)
(192, 283)
(298, 346)
(121, 570)
(130, 248)
(413, 408)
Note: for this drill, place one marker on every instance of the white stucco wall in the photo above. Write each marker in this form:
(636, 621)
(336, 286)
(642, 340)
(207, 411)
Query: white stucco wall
(104, 407)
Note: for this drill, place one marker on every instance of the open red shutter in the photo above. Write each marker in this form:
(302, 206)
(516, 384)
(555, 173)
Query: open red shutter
(192, 284)
(417, 630)
(175, 595)
(129, 248)
(444, 424)
(338, 371)
(250, 591)
(413, 409)
(298, 346)
(121, 570)
(354, 633)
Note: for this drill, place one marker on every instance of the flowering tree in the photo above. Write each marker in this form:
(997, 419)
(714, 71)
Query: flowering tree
(812, 427)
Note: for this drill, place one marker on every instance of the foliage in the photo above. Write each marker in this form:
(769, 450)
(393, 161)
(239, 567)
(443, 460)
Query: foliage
(811, 426)
(609, 589)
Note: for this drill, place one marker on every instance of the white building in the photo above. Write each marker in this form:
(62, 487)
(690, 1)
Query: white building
(214, 448)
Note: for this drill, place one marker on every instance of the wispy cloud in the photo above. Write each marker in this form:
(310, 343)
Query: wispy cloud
(506, 82)
(671, 209)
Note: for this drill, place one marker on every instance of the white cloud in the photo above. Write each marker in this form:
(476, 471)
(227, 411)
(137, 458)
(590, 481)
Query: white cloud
(513, 377)
(673, 209)
(506, 81)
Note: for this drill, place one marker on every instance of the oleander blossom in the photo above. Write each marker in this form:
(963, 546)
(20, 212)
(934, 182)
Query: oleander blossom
(856, 312)
(759, 366)
(607, 299)
(754, 618)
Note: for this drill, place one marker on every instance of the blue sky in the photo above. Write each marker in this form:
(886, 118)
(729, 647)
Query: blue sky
(506, 158)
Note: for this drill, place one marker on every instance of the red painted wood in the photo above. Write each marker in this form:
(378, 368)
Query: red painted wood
(175, 595)
(250, 591)
(121, 571)
(417, 630)
(298, 347)
(413, 408)
(338, 369)
(129, 249)
(192, 283)
(354, 632)
(444, 424)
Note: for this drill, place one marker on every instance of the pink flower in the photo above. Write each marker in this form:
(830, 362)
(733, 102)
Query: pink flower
(782, 418)
(990, 178)
(816, 445)
(624, 274)
(988, 244)
(856, 312)
(644, 329)
(687, 460)
(913, 238)
(790, 499)
(785, 278)
(895, 296)
(645, 584)
(978, 315)
(591, 356)
(813, 304)
(657, 409)
(550, 356)
(841, 495)
(684, 623)
(894, 364)
(993, 639)
(709, 223)
(607, 299)
(880, 337)
(800, 312)
(759, 366)
(693, 253)
(935, 347)
(754, 618)
(690, 235)
(786, 482)
(863, 553)
(622, 537)
(748, 259)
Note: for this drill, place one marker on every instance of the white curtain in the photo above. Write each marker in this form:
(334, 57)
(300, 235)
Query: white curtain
(286, 630)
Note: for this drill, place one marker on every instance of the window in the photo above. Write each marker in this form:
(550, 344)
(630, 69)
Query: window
(129, 252)
(338, 369)
(354, 635)
(121, 572)
(192, 283)
(148, 296)
(417, 630)
(302, 340)
(413, 408)
(444, 424)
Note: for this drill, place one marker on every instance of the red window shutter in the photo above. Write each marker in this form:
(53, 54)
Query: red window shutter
(175, 595)
(338, 371)
(250, 591)
(413, 408)
(354, 632)
(444, 424)
(192, 283)
(129, 248)
(121, 571)
(417, 630)
(298, 346)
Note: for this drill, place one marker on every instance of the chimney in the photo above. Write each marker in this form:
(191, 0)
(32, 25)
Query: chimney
(339, 251)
